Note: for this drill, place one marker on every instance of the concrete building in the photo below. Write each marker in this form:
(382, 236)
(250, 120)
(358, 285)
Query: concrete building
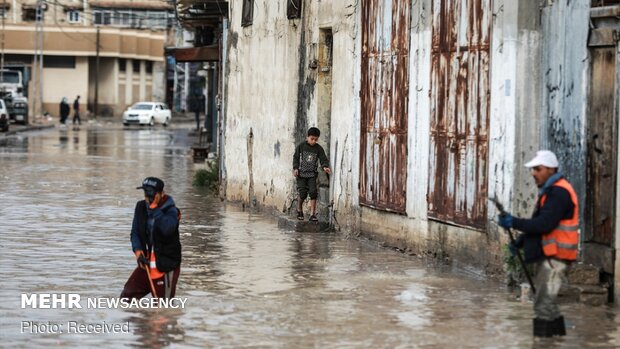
(427, 108)
(131, 65)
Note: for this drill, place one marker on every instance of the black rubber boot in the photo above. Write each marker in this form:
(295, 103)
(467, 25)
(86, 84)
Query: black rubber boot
(543, 328)
(559, 329)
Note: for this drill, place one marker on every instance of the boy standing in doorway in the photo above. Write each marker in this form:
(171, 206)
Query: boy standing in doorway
(305, 161)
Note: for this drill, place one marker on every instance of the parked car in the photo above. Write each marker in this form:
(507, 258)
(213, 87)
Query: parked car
(4, 117)
(147, 113)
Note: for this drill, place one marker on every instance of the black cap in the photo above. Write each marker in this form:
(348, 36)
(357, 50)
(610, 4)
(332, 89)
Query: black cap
(150, 183)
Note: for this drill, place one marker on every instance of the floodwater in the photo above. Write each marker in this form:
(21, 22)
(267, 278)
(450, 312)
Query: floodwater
(67, 200)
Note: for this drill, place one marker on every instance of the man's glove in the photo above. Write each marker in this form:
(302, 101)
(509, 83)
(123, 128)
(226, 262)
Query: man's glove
(141, 259)
(505, 220)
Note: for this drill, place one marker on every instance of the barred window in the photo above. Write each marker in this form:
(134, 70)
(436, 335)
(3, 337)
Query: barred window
(74, 16)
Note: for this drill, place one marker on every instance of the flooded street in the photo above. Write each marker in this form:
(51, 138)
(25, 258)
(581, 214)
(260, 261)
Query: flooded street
(67, 205)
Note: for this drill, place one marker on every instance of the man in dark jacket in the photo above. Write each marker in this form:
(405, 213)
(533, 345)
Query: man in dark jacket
(76, 111)
(550, 239)
(155, 243)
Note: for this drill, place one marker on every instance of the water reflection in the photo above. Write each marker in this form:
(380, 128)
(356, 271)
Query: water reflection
(156, 329)
(66, 217)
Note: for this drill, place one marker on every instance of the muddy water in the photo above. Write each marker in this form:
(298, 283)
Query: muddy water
(67, 200)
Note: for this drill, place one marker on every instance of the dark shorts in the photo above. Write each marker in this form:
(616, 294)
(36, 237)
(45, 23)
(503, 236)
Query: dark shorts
(307, 187)
(138, 285)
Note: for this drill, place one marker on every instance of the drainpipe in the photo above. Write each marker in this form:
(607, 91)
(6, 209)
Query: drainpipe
(220, 150)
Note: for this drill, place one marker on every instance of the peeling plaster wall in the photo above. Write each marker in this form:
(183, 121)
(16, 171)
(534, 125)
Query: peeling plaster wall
(271, 91)
(345, 122)
(261, 99)
(564, 87)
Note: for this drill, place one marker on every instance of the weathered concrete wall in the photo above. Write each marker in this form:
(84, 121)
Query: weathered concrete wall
(55, 77)
(343, 18)
(617, 266)
(528, 118)
(564, 87)
(271, 94)
(262, 93)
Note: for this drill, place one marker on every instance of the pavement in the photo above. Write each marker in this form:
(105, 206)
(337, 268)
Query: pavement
(15, 128)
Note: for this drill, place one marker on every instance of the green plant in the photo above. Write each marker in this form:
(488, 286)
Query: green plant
(514, 270)
(207, 177)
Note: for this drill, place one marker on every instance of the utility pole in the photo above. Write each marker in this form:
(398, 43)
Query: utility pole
(37, 65)
(96, 109)
(2, 39)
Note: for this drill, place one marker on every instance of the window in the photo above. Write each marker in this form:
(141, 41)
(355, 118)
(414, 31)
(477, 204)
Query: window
(29, 14)
(102, 17)
(122, 64)
(149, 67)
(67, 62)
(73, 16)
(156, 19)
(293, 9)
(125, 19)
(136, 65)
(247, 14)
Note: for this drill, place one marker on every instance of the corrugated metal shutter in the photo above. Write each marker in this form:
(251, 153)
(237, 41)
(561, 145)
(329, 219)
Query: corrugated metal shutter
(460, 111)
(384, 99)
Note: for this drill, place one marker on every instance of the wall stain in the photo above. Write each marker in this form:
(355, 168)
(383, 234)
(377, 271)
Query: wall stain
(305, 84)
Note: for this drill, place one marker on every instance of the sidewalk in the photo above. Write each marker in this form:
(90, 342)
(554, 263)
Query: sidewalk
(15, 129)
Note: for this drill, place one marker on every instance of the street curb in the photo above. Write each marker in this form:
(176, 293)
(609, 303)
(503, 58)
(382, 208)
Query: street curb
(29, 128)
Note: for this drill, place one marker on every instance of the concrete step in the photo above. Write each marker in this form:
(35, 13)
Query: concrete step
(594, 295)
(584, 274)
(584, 286)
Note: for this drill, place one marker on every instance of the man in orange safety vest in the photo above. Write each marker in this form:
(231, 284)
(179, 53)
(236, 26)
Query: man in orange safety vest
(550, 239)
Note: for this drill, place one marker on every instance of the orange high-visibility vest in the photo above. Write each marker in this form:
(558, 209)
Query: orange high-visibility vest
(155, 273)
(563, 241)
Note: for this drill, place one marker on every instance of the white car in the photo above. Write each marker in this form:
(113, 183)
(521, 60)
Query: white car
(147, 113)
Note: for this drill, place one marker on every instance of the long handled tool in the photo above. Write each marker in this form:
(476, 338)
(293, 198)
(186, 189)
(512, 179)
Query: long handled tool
(500, 208)
(148, 273)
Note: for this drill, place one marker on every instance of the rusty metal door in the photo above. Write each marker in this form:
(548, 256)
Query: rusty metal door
(460, 96)
(602, 146)
(384, 99)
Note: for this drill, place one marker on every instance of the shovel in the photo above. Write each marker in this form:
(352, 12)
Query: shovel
(148, 273)
(500, 208)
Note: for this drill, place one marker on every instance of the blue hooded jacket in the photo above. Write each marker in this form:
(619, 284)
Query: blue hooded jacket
(158, 230)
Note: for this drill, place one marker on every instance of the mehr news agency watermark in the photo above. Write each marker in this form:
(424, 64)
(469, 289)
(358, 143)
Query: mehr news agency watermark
(75, 301)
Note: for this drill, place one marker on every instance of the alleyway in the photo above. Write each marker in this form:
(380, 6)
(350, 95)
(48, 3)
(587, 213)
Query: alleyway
(67, 203)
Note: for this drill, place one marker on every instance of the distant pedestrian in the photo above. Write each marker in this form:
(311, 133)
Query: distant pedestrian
(550, 239)
(196, 105)
(65, 109)
(76, 111)
(305, 161)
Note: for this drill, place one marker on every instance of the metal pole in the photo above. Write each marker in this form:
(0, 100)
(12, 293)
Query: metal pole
(2, 59)
(41, 23)
(35, 59)
(96, 111)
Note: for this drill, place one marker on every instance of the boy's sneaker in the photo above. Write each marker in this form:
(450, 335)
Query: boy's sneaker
(300, 215)
(313, 218)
